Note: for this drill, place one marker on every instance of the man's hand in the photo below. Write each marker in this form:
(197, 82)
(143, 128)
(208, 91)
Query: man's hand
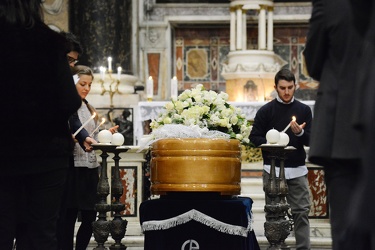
(87, 143)
(297, 128)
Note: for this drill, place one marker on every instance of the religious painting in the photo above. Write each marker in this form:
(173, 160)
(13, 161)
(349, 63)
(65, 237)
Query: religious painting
(128, 177)
(318, 194)
(197, 63)
(201, 52)
(123, 117)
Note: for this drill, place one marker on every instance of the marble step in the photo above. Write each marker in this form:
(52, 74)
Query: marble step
(137, 243)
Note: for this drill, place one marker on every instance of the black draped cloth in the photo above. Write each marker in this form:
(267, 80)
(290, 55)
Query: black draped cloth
(198, 221)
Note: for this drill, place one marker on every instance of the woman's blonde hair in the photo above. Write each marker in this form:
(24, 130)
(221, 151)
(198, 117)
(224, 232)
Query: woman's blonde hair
(83, 70)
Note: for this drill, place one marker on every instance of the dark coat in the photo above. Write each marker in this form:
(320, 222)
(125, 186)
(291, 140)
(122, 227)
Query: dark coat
(331, 53)
(363, 215)
(37, 98)
(75, 123)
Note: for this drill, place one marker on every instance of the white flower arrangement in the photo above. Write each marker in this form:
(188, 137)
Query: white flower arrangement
(202, 111)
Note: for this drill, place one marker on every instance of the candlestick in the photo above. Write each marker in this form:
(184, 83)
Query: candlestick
(110, 64)
(103, 121)
(102, 72)
(174, 88)
(119, 69)
(86, 122)
(285, 129)
(150, 88)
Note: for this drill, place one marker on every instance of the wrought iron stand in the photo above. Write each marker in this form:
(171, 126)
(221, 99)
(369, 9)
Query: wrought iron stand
(117, 227)
(276, 227)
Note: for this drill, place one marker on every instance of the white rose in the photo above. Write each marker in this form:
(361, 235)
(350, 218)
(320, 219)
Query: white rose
(224, 122)
(239, 137)
(223, 96)
(246, 140)
(234, 120)
(169, 106)
(197, 98)
(167, 120)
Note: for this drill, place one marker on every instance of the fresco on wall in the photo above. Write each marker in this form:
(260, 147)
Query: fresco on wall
(200, 52)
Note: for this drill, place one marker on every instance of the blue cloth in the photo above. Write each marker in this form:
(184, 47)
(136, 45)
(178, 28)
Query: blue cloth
(214, 224)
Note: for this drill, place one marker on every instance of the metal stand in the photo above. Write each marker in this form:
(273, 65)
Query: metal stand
(117, 227)
(276, 227)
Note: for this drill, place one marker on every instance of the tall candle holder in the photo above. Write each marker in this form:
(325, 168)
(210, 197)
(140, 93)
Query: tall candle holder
(117, 227)
(276, 227)
(109, 84)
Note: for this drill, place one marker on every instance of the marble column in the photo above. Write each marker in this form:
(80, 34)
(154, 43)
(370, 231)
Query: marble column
(232, 29)
(262, 28)
(244, 31)
(270, 29)
(103, 28)
(239, 27)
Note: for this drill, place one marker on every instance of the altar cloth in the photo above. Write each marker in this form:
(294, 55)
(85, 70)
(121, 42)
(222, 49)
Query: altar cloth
(198, 222)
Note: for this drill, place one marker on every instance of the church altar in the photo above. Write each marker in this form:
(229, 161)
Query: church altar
(150, 110)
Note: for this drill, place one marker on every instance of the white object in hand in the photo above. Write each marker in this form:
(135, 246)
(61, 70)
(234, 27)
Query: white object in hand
(284, 139)
(273, 136)
(83, 125)
(118, 139)
(105, 136)
(285, 129)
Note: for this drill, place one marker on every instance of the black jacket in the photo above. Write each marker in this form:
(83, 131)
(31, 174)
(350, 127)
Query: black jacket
(37, 97)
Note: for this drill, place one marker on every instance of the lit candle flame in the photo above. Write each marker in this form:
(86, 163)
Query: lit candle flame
(103, 121)
(285, 129)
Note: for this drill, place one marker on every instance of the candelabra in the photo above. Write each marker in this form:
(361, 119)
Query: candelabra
(276, 227)
(112, 84)
(117, 227)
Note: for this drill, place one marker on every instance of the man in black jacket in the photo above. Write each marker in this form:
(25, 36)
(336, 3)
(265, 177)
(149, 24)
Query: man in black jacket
(337, 57)
(277, 114)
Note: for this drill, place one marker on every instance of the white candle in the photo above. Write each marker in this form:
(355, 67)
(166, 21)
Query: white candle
(150, 87)
(174, 88)
(109, 63)
(103, 121)
(119, 69)
(102, 72)
(86, 122)
(285, 129)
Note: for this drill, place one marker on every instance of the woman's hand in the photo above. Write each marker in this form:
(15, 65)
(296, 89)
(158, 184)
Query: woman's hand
(113, 129)
(87, 143)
